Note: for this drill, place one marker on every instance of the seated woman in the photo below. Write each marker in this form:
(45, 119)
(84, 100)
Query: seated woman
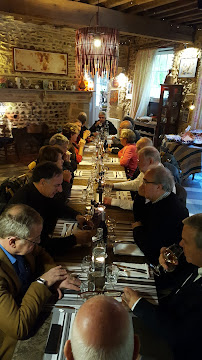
(63, 143)
(55, 154)
(128, 155)
(71, 131)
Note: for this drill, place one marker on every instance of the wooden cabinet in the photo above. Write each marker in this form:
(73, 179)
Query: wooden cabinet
(169, 111)
(147, 129)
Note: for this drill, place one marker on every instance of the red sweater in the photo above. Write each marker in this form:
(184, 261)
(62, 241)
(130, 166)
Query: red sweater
(128, 158)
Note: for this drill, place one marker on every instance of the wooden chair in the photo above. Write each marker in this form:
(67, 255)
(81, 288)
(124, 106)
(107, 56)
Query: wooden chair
(7, 142)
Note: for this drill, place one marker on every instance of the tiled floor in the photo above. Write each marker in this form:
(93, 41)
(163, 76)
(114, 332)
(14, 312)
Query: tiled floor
(193, 187)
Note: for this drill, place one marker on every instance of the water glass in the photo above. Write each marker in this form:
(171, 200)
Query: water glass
(112, 273)
(86, 264)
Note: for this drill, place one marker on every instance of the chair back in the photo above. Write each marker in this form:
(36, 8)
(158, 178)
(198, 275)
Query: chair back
(181, 193)
(9, 187)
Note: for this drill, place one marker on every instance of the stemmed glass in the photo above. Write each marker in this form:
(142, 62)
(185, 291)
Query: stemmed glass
(112, 273)
(171, 256)
(107, 189)
(111, 224)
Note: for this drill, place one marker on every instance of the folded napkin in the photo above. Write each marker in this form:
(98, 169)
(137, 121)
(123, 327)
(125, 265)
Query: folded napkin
(78, 187)
(85, 162)
(127, 249)
(127, 270)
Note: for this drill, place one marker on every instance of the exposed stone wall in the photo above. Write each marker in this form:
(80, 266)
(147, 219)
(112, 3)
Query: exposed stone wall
(16, 33)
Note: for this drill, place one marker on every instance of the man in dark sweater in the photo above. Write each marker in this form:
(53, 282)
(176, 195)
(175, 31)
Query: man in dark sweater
(178, 318)
(46, 182)
(101, 124)
(159, 221)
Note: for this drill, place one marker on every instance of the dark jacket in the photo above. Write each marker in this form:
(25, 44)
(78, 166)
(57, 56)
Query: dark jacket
(50, 210)
(112, 129)
(162, 225)
(177, 320)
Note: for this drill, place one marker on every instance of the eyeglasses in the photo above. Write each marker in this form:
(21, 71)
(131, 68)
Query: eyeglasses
(33, 242)
(112, 293)
(148, 182)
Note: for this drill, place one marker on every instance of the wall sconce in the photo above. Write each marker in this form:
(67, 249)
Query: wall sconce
(191, 107)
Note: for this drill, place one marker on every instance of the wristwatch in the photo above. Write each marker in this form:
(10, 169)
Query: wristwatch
(41, 281)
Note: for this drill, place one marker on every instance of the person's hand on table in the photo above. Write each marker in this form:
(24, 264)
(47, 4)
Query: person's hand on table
(130, 296)
(83, 237)
(71, 283)
(107, 200)
(67, 175)
(136, 224)
(84, 221)
(58, 278)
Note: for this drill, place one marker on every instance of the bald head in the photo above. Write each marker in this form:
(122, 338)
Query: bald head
(126, 124)
(144, 141)
(102, 326)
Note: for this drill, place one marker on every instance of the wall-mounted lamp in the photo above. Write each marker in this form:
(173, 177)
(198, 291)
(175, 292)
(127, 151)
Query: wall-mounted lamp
(191, 107)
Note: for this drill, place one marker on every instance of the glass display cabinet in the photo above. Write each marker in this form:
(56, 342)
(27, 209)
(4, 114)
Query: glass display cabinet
(169, 111)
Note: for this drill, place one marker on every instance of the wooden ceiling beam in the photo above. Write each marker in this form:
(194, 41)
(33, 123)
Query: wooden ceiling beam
(174, 12)
(113, 3)
(168, 8)
(151, 5)
(189, 16)
(76, 14)
(133, 3)
(94, 2)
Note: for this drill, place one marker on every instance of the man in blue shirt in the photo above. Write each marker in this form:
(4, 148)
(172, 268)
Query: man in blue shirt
(28, 275)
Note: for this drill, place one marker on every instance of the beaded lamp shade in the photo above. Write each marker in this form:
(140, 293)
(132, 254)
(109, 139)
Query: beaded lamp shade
(101, 57)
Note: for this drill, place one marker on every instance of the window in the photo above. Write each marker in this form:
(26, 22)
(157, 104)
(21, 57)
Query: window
(162, 63)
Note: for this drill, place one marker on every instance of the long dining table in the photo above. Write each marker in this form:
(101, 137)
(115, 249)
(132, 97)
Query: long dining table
(133, 272)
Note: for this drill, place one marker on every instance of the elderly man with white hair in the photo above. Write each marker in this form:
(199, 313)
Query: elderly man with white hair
(159, 221)
(102, 330)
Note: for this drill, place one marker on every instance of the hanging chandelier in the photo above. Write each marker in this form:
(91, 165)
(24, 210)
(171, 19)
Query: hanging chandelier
(97, 50)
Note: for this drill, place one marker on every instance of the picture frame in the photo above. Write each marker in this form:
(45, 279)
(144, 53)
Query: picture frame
(40, 61)
(129, 90)
(187, 67)
(114, 97)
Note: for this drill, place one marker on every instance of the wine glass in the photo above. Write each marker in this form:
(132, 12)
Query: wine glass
(171, 256)
(86, 264)
(112, 273)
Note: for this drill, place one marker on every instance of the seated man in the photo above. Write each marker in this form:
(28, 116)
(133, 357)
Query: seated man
(148, 156)
(102, 330)
(40, 194)
(159, 221)
(101, 124)
(23, 294)
(178, 319)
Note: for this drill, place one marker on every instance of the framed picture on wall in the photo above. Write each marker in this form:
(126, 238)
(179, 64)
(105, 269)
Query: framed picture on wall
(114, 97)
(40, 61)
(188, 67)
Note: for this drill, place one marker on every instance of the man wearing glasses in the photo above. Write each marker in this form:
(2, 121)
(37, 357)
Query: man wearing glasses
(158, 222)
(28, 275)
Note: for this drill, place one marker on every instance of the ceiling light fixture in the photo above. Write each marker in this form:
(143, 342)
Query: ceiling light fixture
(97, 50)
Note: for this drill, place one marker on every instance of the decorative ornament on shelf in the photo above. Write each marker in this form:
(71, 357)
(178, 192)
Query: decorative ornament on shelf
(169, 80)
(82, 85)
(97, 50)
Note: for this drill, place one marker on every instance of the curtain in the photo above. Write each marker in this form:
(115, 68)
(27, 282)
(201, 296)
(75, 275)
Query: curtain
(142, 82)
(197, 115)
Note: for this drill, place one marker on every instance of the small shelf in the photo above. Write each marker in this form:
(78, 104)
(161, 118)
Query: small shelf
(40, 95)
